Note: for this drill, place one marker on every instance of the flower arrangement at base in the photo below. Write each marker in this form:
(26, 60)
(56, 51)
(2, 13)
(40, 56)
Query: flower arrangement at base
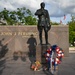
(36, 66)
(54, 56)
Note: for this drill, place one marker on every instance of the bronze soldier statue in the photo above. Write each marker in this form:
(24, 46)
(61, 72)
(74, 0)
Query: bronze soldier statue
(43, 22)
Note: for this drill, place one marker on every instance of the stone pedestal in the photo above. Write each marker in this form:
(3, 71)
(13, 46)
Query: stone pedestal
(40, 50)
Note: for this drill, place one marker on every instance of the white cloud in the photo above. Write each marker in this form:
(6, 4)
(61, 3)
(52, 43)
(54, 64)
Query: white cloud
(56, 8)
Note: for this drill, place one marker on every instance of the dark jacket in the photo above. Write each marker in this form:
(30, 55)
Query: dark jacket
(43, 13)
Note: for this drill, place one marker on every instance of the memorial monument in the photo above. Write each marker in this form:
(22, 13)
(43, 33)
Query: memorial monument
(43, 23)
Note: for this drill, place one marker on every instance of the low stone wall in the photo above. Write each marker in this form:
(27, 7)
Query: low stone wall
(24, 38)
(71, 49)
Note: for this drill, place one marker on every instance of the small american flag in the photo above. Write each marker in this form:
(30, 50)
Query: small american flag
(64, 17)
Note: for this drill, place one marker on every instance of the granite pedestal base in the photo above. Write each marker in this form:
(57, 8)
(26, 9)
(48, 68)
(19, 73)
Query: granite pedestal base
(40, 50)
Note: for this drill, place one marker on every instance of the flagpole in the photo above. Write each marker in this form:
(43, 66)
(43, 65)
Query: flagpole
(64, 19)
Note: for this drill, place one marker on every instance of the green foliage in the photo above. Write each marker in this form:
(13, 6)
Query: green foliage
(5, 13)
(20, 16)
(30, 20)
(71, 31)
(54, 23)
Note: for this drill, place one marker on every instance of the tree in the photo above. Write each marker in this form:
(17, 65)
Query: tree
(12, 19)
(20, 16)
(5, 14)
(29, 20)
(71, 30)
(25, 16)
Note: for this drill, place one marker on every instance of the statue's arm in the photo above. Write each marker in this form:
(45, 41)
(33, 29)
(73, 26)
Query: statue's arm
(38, 12)
(48, 17)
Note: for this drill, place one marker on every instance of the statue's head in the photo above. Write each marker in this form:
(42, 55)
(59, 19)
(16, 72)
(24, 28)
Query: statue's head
(42, 5)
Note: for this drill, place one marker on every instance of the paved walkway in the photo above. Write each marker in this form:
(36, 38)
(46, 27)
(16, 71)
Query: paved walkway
(22, 67)
(67, 67)
(19, 67)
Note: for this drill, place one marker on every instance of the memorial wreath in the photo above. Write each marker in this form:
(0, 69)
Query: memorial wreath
(54, 56)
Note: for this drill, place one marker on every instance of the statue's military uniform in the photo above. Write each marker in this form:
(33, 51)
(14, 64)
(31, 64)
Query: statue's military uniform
(43, 22)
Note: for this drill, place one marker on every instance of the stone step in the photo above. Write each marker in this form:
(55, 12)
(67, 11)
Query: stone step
(71, 49)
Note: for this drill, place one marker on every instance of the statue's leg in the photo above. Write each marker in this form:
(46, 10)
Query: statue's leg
(40, 34)
(46, 35)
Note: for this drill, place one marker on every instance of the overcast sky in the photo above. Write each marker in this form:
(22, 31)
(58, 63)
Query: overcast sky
(57, 8)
